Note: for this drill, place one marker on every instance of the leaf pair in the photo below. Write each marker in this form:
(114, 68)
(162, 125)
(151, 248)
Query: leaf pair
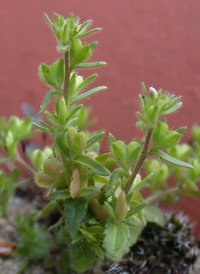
(124, 154)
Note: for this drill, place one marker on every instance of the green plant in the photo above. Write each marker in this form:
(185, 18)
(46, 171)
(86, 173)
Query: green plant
(167, 249)
(102, 211)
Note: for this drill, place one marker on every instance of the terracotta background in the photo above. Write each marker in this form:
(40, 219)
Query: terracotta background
(154, 41)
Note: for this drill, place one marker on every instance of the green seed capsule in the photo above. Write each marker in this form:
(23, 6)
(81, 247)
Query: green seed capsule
(100, 211)
(43, 180)
(121, 207)
(62, 111)
(52, 167)
(75, 184)
(72, 134)
(79, 143)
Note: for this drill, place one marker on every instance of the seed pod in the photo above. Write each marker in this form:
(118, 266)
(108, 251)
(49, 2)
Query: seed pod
(72, 134)
(79, 143)
(92, 154)
(37, 158)
(100, 211)
(121, 207)
(75, 184)
(43, 180)
(52, 167)
(62, 111)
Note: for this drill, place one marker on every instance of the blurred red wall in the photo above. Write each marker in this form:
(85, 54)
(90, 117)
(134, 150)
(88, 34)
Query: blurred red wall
(155, 41)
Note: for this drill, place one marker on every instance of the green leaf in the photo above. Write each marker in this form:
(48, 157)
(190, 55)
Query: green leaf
(80, 56)
(153, 214)
(61, 141)
(134, 210)
(91, 65)
(45, 211)
(172, 109)
(141, 184)
(88, 94)
(115, 176)
(86, 82)
(58, 71)
(116, 237)
(92, 164)
(60, 195)
(46, 74)
(83, 256)
(88, 33)
(170, 159)
(88, 191)
(119, 153)
(132, 152)
(163, 137)
(47, 98)
(74, 212)
(84, 27)
(94, 139)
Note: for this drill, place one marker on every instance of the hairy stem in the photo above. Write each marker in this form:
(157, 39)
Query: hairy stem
(160, 194)
(140, 161)
(67, 74)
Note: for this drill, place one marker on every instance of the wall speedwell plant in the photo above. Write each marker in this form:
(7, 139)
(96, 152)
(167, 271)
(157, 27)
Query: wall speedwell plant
(102, 211)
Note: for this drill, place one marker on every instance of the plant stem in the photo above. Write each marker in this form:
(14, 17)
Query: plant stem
(24, 164)
(67, 74)
(140, 161)
(160, 194)
(5, 216)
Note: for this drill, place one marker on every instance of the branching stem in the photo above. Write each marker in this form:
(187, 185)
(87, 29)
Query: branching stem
(140, 161)
(160, 194)
(24, 164)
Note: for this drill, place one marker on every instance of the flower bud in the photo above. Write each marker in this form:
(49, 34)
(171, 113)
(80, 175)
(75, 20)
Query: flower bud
(100, 211)
(92, 154)
(72, 134)
(43, 180)
(153, 91)
(75, 184)
(121, 207)
(52, 167)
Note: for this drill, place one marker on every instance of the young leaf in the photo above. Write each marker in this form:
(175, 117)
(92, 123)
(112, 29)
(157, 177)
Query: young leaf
(60, 195)
(88, 33)
(86, 82)
(74, 212)
(94, 139)
(116, 237)
(135, 209)
(91, 65)
(170, 159)
(88, 191)
(92, 164)
(119, 153)
(87, 94)
(47, 98)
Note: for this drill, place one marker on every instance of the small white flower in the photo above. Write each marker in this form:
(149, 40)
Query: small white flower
(154, 91)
